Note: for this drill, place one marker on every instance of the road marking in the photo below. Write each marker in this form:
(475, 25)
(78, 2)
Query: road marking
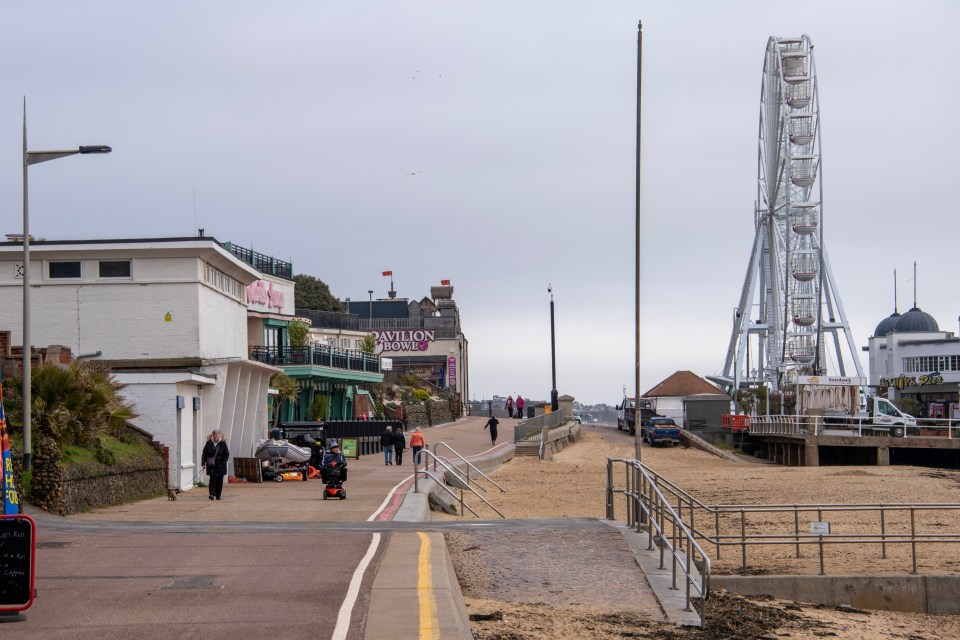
(346, 609)
(429, 629)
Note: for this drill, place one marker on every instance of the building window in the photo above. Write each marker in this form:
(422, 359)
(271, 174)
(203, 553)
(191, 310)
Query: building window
(344, 343)
(114, 268)
(64, 269)
(222, 282)
(271, 337)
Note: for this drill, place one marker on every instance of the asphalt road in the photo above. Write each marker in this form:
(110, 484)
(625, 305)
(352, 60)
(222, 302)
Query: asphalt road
(270, 560)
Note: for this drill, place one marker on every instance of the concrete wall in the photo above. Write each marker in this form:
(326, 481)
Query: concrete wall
(222, 324)
(918, 594)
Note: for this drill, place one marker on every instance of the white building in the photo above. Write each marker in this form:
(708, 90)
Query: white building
(911, 358)
(168, 315)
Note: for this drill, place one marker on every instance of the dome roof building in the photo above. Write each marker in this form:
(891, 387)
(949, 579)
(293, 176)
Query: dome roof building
(886, 325)
(915, 321)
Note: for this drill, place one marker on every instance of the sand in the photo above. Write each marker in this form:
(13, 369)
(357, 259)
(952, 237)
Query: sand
(574, 483)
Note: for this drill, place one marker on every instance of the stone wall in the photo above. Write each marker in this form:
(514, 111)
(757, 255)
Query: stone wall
(91, 485)
(88, 485)
(46, 485)
(431, 412)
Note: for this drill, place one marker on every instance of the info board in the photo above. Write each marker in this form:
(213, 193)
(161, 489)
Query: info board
(18, 545)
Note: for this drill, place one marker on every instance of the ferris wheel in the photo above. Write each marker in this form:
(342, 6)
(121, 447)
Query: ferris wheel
(789, 301)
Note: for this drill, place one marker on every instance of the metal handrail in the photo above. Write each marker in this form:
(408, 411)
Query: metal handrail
(688, 505)
(648, 509)
(426, 463)
(443, 485)
(469, 464)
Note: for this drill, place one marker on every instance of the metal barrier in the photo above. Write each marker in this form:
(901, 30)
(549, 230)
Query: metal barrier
(858, 426)
(425, 456)
(526, 429)
(649, 510)
(469, 464)
(767, 533)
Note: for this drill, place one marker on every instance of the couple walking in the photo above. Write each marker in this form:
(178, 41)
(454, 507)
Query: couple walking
(518, 404)
(393, 442)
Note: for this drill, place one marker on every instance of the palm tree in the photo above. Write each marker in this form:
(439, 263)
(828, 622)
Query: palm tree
(287, 389)
(71, 404)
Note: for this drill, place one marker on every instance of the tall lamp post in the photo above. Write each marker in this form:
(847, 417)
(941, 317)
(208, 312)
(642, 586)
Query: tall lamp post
(554, 401)
(370, 291)
(29, 158)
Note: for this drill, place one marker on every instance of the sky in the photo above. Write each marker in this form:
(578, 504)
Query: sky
(493, 144)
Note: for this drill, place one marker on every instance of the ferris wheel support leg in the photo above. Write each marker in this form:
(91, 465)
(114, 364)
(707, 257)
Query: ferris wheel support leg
(832, 292)
(740, 334)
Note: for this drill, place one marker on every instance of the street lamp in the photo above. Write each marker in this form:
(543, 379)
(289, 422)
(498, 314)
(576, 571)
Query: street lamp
(554, 401)
(370, 291)
(29, 158)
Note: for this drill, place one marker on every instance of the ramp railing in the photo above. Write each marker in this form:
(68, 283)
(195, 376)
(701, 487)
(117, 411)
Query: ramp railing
(426, 455)
(466, 472)
(745, 526)
(648, 509)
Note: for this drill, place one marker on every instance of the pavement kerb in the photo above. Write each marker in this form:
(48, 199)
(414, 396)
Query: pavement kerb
(394, 594)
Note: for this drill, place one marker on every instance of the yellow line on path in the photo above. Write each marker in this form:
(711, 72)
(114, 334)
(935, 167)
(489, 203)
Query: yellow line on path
(429, 629)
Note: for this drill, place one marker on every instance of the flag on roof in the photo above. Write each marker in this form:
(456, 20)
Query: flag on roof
(388, 273)
(445, 283)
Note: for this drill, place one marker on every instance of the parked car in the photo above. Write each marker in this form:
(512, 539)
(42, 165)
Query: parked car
(661, 430)
(575, 416)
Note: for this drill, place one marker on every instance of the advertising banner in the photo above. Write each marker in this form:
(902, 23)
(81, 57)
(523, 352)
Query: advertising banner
(348, 447)
(11, 500)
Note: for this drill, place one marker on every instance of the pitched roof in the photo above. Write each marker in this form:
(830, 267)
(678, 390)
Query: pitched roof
(682, 383)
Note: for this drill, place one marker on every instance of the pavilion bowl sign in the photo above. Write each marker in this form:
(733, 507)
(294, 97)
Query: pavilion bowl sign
(404, 340)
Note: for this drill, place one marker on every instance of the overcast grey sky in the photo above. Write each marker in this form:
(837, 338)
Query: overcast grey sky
(294, 128)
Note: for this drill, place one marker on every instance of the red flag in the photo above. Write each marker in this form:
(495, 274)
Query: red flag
(388, 273)
(445, 283)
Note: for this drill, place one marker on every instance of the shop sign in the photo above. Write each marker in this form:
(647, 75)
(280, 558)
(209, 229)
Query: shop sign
(263, 293)
(452, 370)
(404, 340)
(902, 381)
(831, 381)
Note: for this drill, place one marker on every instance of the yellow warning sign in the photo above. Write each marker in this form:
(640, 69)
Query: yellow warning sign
(168, 317)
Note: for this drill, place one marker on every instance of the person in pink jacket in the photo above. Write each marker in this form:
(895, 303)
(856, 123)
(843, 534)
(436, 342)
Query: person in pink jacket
(519, 405)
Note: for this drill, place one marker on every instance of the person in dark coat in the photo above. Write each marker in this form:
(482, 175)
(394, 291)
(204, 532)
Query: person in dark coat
(386, 442)
(399, 444)
(333, 458)
(492, 423)
(215, 455)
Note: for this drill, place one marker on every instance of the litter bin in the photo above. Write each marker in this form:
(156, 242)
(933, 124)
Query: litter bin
(530, 410)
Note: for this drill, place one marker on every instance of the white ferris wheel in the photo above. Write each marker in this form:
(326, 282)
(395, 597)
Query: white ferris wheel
(790, 316)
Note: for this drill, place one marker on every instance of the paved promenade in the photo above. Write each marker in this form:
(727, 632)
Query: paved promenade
(271, 559)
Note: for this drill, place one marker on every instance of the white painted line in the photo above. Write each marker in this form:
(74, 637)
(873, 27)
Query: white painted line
(346, 609)
(386, 500)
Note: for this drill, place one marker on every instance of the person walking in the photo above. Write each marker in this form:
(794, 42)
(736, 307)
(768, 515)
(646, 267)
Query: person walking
(386, 441)
(492, 423)
(399, 444)
(519, 405)
(510, 406)
(416, 443)
(215, 455)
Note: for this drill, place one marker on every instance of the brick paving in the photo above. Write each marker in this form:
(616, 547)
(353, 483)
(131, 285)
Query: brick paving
(591, 568)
